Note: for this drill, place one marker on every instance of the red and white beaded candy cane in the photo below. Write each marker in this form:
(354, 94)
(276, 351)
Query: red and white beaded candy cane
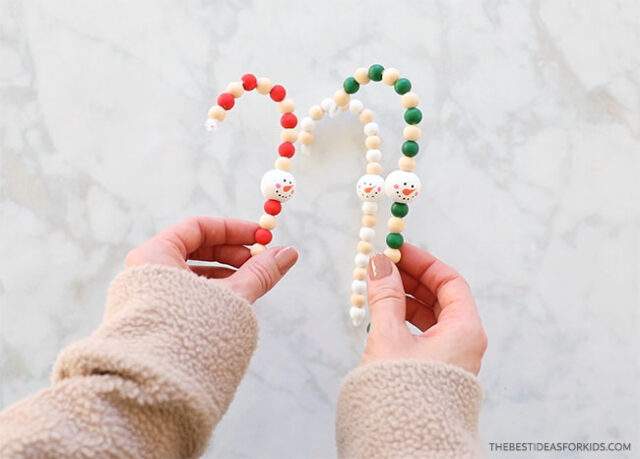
(277, 185)
(369, 189)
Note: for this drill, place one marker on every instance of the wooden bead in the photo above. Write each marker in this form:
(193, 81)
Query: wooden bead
(367, 234)
(361, 260)
(283, 164)
(358, 300)
(257, 248)
(374, 168)
(369, 220)
(217, 113)
(371, 129)
(360, 273)
(406, 164)
(264, 85)
(362, 75)
(366, 116)
(369, 208)
(393, 254)
(235, 89)
(410, 100)
(289, 135)
(286, 106)
(226, 101)
(277, 93)
(316, 112)
(390, 75)
(263, 236)
(307, 124)
(372, 142)
(249, 81)
(341, 97)
(305, 137)
(412, 132)
(365, 247)
(267, 221)
(374, 156)
(395, 224)
(355, 106)
(359, 287)
(395, 240)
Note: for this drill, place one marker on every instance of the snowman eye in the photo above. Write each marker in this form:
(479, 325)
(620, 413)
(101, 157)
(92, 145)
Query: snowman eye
(405, 183)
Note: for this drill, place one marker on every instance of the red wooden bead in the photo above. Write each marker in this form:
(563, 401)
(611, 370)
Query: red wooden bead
(288, 120)
(249, 81)
(278, 92)
(226, 100)
(286, 149)
(263, 236)
(272, 207)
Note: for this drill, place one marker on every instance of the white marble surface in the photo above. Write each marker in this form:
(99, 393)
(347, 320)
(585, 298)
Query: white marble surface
(530, 177)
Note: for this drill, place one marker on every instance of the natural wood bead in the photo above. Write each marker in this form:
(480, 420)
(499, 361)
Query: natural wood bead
(264, 85)
(366, 116)
(282, 163)
(358, 300)
(369, 220)
(406, 164)
(372, 142)
(395, 224)
(410, 100)
(289, 135)
(390, 75)
(267, 222)
(235, 89)
(316, 112)
(286, 106)
(412, 132)
(305, 137)
(257, 248)
(374, 168)
(393, 254)
(362, 75)
(360, 273)
(341, 97)
(365, 247)
(217, 113)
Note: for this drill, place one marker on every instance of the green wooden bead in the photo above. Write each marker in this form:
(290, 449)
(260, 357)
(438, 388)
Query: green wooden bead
(375, 72)
(395, 240)
(413, 116)
(402, 86)
(350, 85)
(368, 327)
(399, 209)
(410, 148)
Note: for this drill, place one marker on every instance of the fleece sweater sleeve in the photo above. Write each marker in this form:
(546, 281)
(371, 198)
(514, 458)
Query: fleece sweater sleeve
(152, 381)
(409, 408)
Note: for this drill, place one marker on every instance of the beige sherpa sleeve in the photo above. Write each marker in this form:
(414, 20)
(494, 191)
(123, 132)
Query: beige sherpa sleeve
(152, 381)
(409, 409)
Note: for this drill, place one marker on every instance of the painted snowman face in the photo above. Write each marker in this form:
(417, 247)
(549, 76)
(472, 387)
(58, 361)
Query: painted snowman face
(278, 185)
(402, 186)
(369, 187)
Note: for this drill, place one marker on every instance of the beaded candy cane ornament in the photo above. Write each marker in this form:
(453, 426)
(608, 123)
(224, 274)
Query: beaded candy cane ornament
(369, 189)
(278, 184)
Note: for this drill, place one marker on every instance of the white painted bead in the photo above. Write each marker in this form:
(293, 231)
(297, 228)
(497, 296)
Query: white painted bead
(371, 129)
(359, 287)
(374, 156)
(369, 208)
(390, 75)
(211, 124)
(264, 85)
(369, 187)
(367, 234)
(267, 221)
(361, 260)
(357, 315)
(356, 106)
(326, 104)
(278, 184)
(257, 248)
(402, 186)
(307, 124)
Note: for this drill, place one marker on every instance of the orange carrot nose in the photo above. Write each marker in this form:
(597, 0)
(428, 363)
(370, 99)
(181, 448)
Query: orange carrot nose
(287, 188)
(407, 191)
(368, 189)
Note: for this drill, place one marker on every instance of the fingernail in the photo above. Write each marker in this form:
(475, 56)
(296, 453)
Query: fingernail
(285, 259)
(379, 266)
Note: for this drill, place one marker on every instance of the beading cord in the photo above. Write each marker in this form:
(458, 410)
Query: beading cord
(278, 184)
(369, 188)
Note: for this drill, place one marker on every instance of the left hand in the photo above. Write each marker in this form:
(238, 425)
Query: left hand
(222, 240)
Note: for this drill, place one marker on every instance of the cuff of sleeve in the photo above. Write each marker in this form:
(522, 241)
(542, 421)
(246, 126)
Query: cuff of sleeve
(409, 408)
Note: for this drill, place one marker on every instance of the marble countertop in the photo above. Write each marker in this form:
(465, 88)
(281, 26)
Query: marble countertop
(530, 171)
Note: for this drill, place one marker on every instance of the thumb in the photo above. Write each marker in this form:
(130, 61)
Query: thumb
(387, 301)
(260, 273)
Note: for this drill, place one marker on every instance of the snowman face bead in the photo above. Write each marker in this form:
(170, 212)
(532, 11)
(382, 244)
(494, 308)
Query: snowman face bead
(370, 187)
(402, 186)
(278, 184)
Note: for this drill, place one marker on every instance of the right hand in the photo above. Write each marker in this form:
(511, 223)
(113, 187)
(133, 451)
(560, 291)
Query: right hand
(433, 297)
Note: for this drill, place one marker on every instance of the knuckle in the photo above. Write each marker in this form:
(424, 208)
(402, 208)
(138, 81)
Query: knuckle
(264, 276)
(384, 293)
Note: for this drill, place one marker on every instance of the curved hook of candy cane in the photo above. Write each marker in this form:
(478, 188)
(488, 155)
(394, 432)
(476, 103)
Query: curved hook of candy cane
(277, 185)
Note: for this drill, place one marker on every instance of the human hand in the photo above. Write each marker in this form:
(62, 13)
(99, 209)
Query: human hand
(222, 240)
(433, 297)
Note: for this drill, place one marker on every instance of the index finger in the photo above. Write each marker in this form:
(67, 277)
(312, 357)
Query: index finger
(193, 233)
